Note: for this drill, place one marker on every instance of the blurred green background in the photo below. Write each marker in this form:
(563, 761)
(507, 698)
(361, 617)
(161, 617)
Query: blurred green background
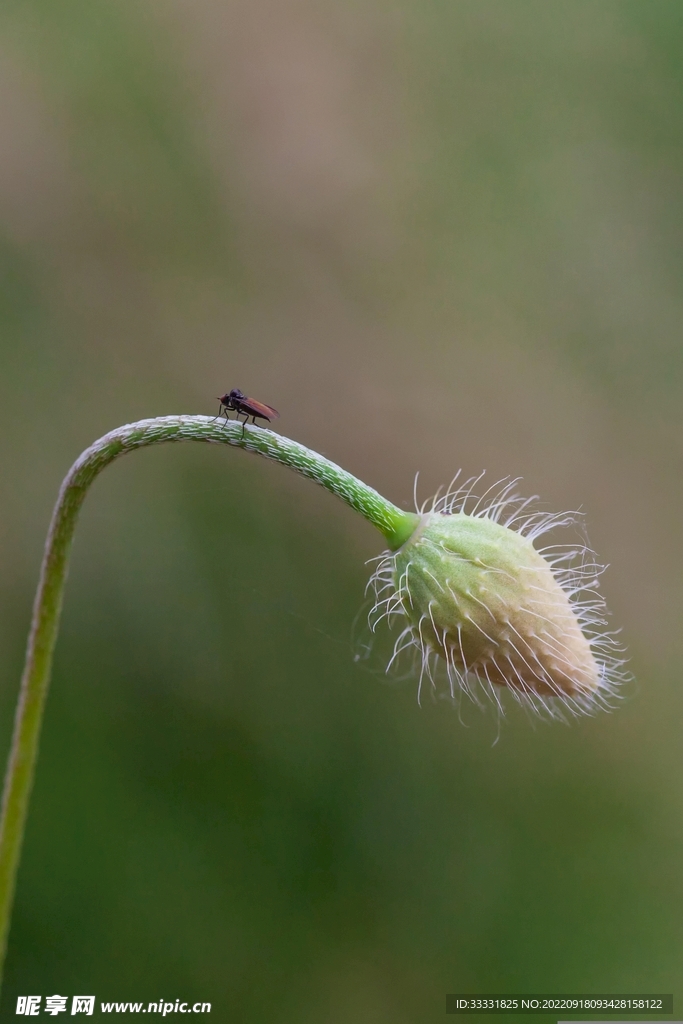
(434, 235)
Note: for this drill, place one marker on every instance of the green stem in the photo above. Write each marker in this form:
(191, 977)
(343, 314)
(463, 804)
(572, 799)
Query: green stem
(396, 525)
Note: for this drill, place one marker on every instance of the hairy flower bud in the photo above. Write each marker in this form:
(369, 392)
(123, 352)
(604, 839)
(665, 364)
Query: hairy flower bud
(479, 596)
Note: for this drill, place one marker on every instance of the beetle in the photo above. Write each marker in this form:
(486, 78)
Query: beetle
(240, 403)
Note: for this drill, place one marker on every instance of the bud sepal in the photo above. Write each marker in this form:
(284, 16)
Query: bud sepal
(479, 598)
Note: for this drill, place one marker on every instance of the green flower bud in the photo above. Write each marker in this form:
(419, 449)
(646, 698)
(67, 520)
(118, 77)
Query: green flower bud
(481, 599)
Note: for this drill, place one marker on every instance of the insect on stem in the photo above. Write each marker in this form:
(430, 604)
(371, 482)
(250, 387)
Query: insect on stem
(248, 407)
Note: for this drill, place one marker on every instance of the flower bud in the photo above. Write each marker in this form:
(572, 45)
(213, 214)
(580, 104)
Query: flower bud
(479, 596)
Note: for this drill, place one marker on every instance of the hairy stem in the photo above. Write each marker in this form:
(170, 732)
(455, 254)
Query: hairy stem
(396, 525)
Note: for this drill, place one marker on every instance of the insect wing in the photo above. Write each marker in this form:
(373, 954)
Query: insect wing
(254, 408)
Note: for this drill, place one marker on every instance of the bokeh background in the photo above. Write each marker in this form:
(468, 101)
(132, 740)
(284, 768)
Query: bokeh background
(434, 235)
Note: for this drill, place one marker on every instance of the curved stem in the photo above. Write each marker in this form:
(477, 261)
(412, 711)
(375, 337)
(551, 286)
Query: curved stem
(396, 525)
